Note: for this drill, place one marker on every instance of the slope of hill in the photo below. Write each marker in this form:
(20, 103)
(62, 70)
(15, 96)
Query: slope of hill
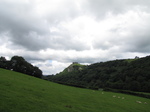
(19, 64)
(125, 74)
(22, 93)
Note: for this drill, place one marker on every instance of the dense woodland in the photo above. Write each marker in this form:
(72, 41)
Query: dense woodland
(19, 64)
(125, 74)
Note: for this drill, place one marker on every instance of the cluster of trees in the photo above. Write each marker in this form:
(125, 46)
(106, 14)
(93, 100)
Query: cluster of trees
(125, 74)
(19, 64)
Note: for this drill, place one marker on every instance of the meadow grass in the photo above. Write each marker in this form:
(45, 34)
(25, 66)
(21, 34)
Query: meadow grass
(23, 93)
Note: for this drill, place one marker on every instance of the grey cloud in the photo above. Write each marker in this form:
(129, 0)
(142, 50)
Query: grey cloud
(30, 31)
(101, 8)
(139, 44)
(63, 12)
(103, 44)
(67, 42)
(139, 38)
(20, 22)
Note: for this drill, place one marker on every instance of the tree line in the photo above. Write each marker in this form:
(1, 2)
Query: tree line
(19, 64)
(125, 74)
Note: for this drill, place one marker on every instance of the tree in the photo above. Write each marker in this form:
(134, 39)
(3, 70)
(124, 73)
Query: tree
(19, 64)
(135, 86)
(2, 59)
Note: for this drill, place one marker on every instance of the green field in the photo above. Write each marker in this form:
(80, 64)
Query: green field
(22, 93)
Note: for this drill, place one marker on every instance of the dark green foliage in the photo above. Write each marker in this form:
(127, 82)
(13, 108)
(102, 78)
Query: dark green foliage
(19, 64)
(125, 74)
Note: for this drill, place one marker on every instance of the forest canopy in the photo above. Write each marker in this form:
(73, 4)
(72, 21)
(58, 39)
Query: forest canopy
(125, 74)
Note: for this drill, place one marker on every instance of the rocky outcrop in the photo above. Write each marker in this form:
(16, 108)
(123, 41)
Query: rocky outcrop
(75, 66)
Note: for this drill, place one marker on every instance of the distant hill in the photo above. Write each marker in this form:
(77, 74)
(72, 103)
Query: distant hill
(23, 93)
(124, 74)
(19, 64)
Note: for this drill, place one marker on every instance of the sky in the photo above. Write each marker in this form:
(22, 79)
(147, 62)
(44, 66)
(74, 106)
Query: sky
(51, 34)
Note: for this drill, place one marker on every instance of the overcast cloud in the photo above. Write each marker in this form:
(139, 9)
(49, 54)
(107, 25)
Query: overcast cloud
(52, 34)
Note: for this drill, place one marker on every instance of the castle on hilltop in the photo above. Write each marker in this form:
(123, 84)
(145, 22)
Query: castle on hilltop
(75, 63)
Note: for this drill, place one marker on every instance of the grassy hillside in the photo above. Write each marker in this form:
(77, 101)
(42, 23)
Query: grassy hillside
(22, 93)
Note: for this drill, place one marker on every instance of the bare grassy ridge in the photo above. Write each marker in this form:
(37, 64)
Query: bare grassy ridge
(22, 93)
